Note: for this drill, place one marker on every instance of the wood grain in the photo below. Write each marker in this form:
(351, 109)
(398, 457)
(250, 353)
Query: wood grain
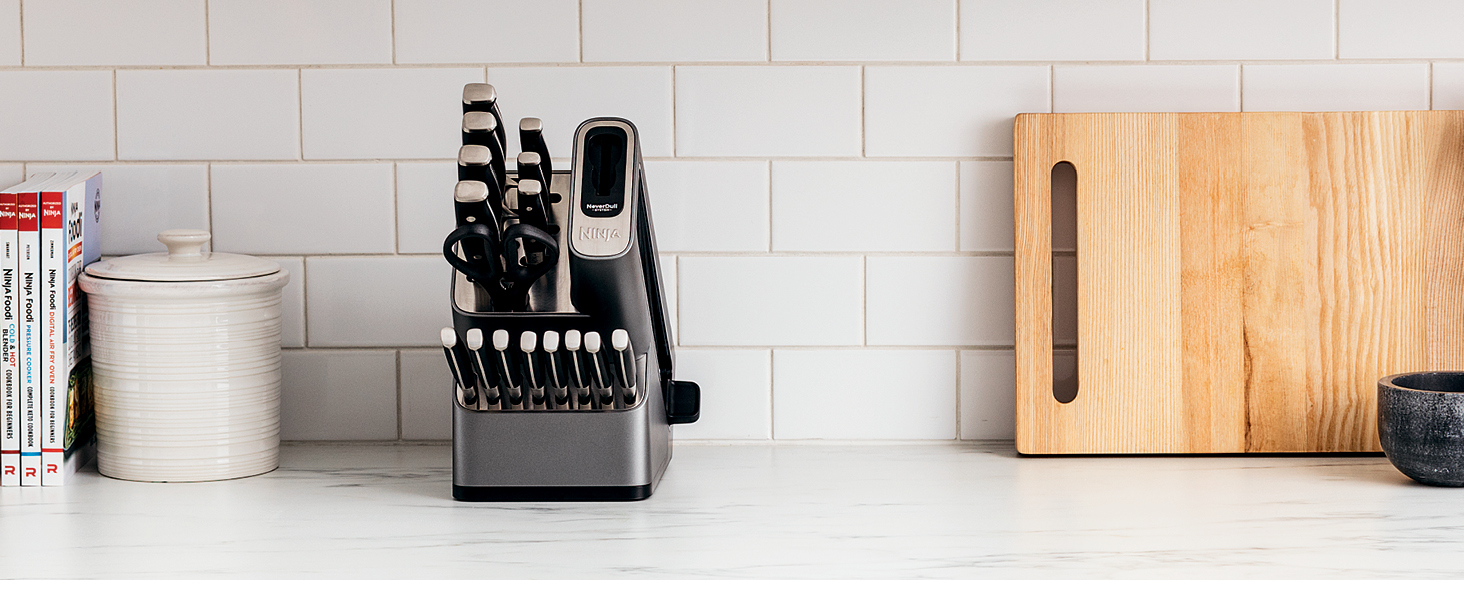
(1243, 279)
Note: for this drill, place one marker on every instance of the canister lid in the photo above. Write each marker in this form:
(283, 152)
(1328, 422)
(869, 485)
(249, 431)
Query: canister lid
(185, 260)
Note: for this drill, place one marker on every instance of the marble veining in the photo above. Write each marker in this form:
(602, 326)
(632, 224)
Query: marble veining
(758, 511)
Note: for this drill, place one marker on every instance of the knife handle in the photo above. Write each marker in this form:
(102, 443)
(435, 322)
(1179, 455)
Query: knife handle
(482, 366)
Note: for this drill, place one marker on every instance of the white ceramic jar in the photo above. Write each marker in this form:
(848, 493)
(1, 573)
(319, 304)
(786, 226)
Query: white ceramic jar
(186, 362)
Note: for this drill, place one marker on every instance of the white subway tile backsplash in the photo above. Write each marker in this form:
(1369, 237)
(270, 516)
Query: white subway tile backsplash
(866, 30)
(988, 395)
(427, 396)
(939, 300)
(1052, 30)
(10, 33)
(292, 303)
(338, 395)
(565, 96)
(105, 32)
(299, 32)
(424, 206)
(1146, 88)
(774, 301)
(674, 30)
(864, 394)
(1240, 29)
(208, 115)
(1400, 29)
(1448, 86)
(986, 206)
(141, 201)
(736, 400)
(948, 111)
(702, 206)
(376, 300)
(383, 113)
(1335, 87)
(294, 208)
(63, 115)
(767, 111)
(487, 31)
(11, 174)
(864, 206)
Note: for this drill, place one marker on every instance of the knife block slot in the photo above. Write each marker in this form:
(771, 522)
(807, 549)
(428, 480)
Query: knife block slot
(1064, 290)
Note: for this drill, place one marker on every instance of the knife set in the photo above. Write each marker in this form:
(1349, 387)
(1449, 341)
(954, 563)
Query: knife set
(560, 345)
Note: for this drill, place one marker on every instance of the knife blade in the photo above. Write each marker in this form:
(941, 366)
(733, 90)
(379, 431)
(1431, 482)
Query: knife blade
(483, 97)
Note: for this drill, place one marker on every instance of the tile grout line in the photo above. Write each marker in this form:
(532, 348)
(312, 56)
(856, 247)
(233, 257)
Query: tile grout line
(20, 24)
(772, 397)
(207, 36)
(779, 64)
(1146, 30)
(116, 127)
(674, 150)
(1337, 29)
(958, 30)
(579, 38)
(208, 202)
(960, 412)
(769, 205)
(399, 394)
(863, 109)
(396, 211)
(393, 32)
(305, 300)
(768, 28)
(300, 110)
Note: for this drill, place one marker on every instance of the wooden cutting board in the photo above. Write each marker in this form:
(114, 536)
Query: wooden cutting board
(1244, 279)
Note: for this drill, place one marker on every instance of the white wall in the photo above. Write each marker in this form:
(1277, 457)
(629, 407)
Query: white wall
(831, 178)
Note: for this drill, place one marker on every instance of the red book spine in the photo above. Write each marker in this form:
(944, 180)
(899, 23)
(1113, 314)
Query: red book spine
(27, 217)
(51, 203)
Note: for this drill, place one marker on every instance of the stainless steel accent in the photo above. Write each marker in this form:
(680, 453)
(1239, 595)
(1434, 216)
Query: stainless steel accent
(479, 121)
(474, 155)
(474, 93)
(470, 191)
(531, 124)
(601, 236)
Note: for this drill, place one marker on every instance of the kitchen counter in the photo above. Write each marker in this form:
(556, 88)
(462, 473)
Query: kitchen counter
(764, 511)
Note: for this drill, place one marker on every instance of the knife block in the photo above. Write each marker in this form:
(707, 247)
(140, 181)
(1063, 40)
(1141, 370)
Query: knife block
(553, 452)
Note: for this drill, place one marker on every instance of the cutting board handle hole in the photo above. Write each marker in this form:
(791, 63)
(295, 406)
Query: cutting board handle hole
(1064, 294)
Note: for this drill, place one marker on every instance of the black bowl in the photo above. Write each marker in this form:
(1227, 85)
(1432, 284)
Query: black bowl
(1421, 425)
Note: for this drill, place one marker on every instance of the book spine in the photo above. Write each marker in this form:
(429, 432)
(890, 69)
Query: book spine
(27, 216)
(71, 381)
(9, 396)
(54, 366)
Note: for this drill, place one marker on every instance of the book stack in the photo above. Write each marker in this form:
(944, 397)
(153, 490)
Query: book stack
(48, 233)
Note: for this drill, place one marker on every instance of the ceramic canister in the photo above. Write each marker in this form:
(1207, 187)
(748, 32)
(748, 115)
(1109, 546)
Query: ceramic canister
(186, 362)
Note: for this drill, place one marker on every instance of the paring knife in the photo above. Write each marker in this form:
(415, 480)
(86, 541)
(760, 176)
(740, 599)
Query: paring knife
(528, 342)
(553, 371)
(482, 365)
(505, 370)
(600, 383)
(573, 368)
(531, 139)
(484, 98)
(457, 362)
(531, 206)
(530, 168)
(624, 359)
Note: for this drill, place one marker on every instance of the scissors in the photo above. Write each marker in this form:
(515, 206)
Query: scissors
(506, 278)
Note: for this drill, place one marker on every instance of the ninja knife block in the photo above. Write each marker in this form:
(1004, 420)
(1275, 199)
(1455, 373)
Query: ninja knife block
(549, 451)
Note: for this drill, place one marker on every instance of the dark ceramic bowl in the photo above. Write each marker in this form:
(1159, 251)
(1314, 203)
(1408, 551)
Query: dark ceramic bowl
(1421, 425)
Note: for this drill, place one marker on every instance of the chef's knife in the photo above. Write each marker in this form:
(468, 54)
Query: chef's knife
(482, 97)
(477, 234)
(457, 362)
(483, 366)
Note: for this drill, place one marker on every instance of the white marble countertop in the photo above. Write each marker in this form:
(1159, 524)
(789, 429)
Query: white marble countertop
(761, 511)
